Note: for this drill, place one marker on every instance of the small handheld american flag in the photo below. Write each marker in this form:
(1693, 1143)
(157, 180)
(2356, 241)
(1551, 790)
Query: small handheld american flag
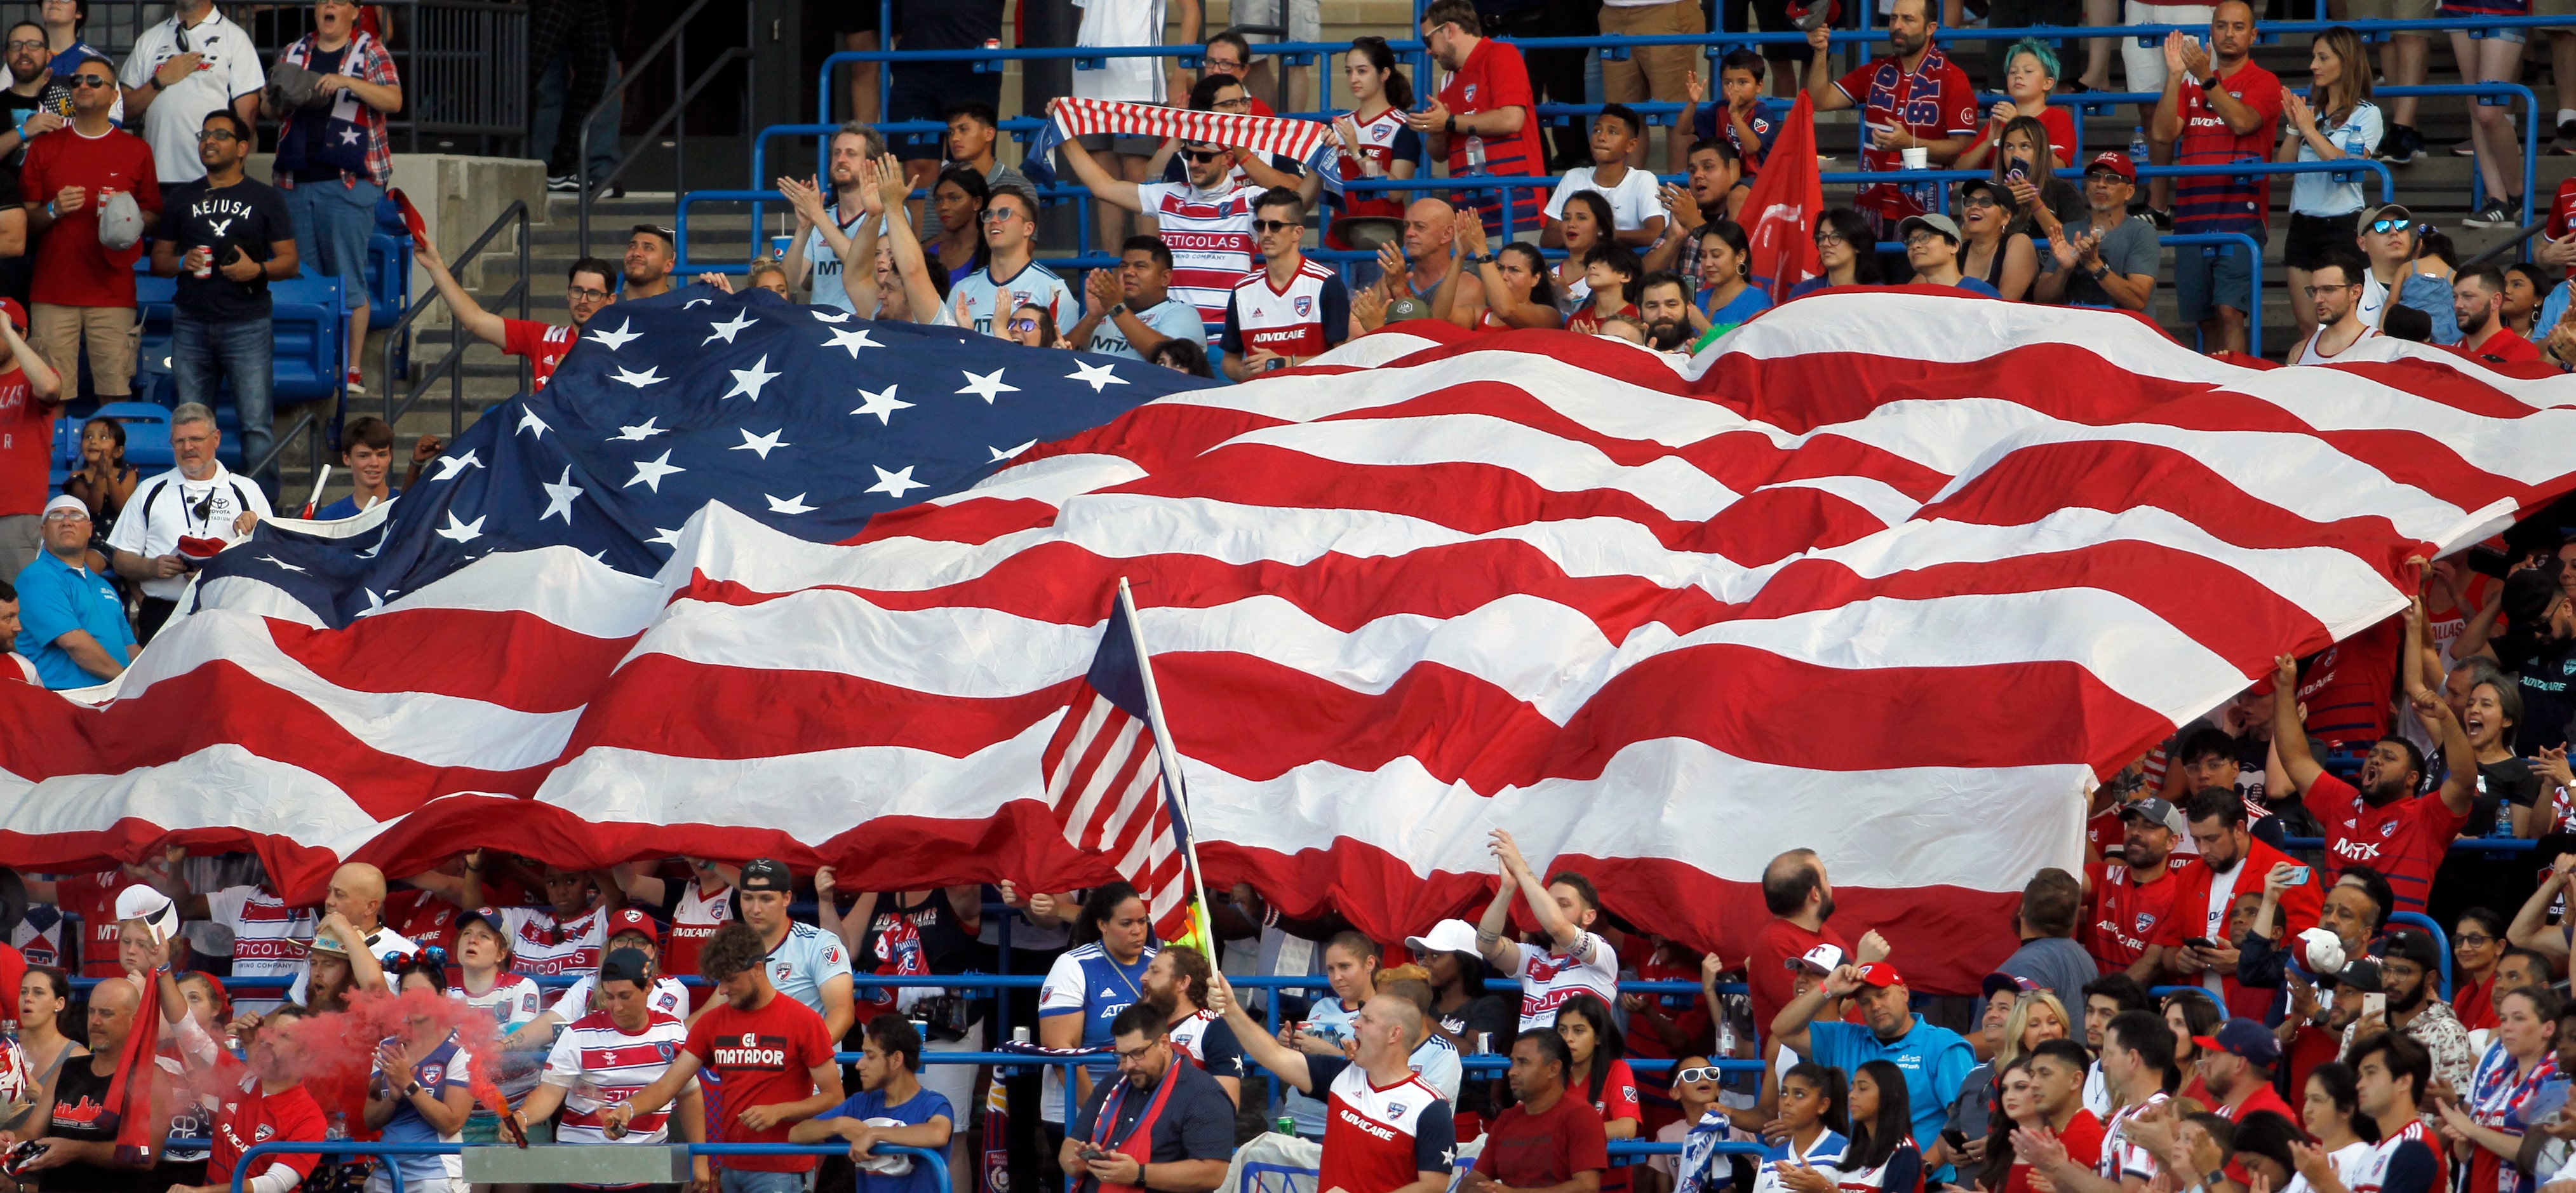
(1116, 787)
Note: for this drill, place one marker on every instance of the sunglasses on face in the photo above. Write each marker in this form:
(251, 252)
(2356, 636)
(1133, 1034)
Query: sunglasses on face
(1265, 227)
(92, 81)
(1203, 156)
(1024, 325)
(1977, 200)
(999, 215)
(2386, 226)
(1686, 1076)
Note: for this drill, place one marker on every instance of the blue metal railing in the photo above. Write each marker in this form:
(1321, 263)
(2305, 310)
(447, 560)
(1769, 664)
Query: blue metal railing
(2220, 244)
(341, 1147)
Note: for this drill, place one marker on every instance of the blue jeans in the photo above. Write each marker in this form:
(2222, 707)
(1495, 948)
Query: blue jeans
(203, 355)
(735, 1180)
(332, 224)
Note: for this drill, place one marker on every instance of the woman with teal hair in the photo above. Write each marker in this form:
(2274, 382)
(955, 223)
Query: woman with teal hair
(2030, 75)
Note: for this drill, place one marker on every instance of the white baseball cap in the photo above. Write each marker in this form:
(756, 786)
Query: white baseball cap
(1823, 958)
(2322, 950)
(1447, 936)
(150, 906)
(890, 1165)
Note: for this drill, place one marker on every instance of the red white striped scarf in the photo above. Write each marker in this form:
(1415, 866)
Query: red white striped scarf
(1303, 140)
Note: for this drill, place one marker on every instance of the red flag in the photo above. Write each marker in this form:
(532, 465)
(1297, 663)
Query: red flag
(1780, 214)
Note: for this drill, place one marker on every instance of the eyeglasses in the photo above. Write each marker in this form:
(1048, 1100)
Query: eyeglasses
(1203, 156)
(1024, 325)
(2384, 226)
(1137, 1053)
(1266, 227)
(1228, 65)
(2313, 290)
(585, 294)
(2473, 940)
(92, 81)
(1686, 1076)
(1826, 238)
(67, 516)
(1238, 105)
(219, 134)
(33, 43)
(1920, 237)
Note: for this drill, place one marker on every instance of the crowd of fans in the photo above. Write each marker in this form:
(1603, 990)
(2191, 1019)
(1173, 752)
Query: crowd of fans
(2273, 971)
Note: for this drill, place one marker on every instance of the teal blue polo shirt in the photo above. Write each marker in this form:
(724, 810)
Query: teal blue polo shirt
(55, 598)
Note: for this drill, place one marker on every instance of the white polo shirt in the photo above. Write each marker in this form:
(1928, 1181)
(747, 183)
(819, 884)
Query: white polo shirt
(170, 506)
(170, 124)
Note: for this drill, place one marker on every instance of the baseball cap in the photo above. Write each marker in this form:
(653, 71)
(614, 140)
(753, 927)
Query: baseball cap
(1990, 186)
(17, 314)
(636, 920)
(150, 906)
(120, 222)
(1824, 958)
(668, 236)
(2360, 974)
(2246, 1038)
(2114, 161)
(1407, 308)
(489, 917)
(2530, 593)
(2387, 211)
(2152, 809)
(2005, 981)
(766, 874)
(626, 965)
(1936, 222)
(1447, 936)
(1880, 974)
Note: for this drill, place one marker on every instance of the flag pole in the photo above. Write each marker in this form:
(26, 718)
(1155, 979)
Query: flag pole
(1169, 761)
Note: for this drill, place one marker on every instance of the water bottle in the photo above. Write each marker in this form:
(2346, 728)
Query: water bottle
(2138, 146)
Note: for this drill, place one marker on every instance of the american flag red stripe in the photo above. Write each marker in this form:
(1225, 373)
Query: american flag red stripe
(1893, 575)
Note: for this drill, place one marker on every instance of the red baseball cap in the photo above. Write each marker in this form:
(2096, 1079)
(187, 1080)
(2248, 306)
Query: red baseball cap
(1880, 974)
(636, 920)
(2116, 161)
(17, 314)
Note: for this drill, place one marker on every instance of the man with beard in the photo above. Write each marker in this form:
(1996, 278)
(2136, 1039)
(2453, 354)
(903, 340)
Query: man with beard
(1175, 984)
(824, 234)
(2236, 1064)
(1915, 98)
(2231, 861)
(2341, 322)
(2477, 302)
(1389, 1132)
(650, 251)
(1664, 302)
(2383, 824)
(1716, 192)
(2136, 894)
(1800, 901)
(2406, 968)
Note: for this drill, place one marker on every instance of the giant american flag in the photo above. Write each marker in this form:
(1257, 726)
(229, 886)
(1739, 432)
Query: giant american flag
(1894, 575)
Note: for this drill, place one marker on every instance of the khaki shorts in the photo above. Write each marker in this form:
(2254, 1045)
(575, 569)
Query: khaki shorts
(1659, 73)
(2391, 10)
(2552, 8)
(57, 333)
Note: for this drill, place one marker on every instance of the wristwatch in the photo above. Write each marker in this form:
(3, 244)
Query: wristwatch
(2210, 83)
(1451, 125)
(413, 1091)
(2099, 272)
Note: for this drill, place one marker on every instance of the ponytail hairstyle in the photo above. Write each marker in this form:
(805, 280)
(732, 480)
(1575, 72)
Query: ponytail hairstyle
(1399, 89)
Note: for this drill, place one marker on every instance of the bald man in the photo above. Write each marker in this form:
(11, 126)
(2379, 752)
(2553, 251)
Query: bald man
(79, 1155)
(1427, 247)
(352, 912)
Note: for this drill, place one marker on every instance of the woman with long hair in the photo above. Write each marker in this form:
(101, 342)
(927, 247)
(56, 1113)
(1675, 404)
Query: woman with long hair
(1517, 291)
(420, 1092)
(1588, 221)
(2336, 122)
(2525, 286)
(1376, 143)
(1883, 1155)
(2030, 77)
(1473, 1018)
(2015, 1106)
(1727, 295)
(1600, 1076)
(2025, 167)
(1181, 356)
(1032, 326)
(2037, 1016)
(2519, 1060)
(44, 1003)
(1848, 250)
(1813, 1135)
(1991, 248)
(2330, 1110)
(957, 198)
(2192, 1013)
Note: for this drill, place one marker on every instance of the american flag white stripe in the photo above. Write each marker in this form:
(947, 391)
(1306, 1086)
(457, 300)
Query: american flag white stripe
(1894, 576)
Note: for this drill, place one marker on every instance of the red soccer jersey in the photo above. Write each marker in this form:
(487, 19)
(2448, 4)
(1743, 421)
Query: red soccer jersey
(1934, 102)
(1492, 78)
(2193, 916)
(544, 344)
(26, 446)
(1618, 1100)
(2346, 688)
(72, 268)
(2406, 840)
(2562, 215)
(92, 897)
(1587, 321)
(2263, 1098)
(2500, 344)
(1305, 317)
(2226, 202)
(765, 1058)
(2129, 915)
(251, 1116)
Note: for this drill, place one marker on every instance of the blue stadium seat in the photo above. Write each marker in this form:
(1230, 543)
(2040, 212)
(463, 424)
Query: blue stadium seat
(66, 455)
(147, 433)
(312, 324)
(389, 282)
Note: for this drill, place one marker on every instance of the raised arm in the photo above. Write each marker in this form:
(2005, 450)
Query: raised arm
(469, 314)
(1259, 1046)
(923, 297)
(1098, 181)
(2531, 928)
(2459, 758)
(1820, 72)
(1551, 918)
(2289, 737)
(1492, 941)
(1790, 1025)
